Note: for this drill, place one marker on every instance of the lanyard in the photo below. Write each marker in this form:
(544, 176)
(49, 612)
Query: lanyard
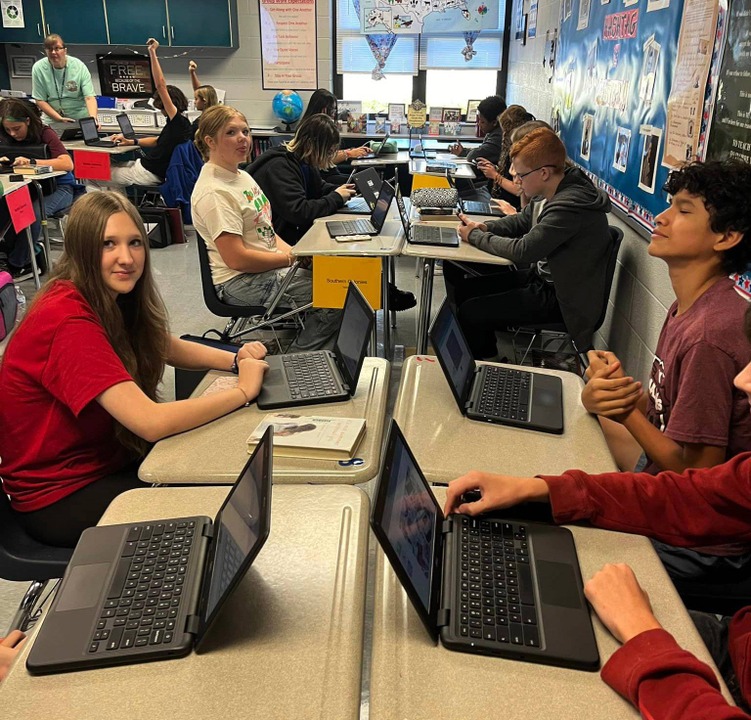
(59, 89)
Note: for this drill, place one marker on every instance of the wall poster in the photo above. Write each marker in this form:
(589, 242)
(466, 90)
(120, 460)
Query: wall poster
(288, 44)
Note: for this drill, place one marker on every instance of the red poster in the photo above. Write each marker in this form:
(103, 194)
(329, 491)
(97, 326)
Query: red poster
(20, 208)
(90, 165)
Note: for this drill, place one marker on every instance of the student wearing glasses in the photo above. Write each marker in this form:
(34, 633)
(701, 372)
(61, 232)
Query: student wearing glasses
(61, 85)
(562, 239)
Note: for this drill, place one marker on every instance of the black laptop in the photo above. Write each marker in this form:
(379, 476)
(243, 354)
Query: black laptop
(379, 150)
(8, 153)
(71, 133)
(91, 134)
(322, 376)
(368, 184)
(492, 586)
(425, 234)
(152, 590)
(492, 393)
(126, 127)
(476, 207)
(373, 225)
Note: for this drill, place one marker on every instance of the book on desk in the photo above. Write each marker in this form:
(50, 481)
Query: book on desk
(311, 436)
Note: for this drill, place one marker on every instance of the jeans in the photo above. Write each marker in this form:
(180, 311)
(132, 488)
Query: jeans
(321, 324)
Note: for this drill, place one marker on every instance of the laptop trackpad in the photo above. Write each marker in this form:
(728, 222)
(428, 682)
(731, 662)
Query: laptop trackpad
(274, 377)
(83, 587)
(558, 584)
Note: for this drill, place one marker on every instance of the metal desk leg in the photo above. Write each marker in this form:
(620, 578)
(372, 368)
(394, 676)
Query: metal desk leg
(386, 309)
(34, 266)
(392, 280)
(43, 220)
(426, 297)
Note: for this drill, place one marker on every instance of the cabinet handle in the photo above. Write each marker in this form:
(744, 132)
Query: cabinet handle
(48, 28)
(164, 32)
(39, 30)
(172, 31)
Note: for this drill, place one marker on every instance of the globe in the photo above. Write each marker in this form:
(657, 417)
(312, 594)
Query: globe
(287, 106)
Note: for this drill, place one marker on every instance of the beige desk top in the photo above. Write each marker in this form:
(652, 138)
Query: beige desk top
(459, 169)
(397, 158)
(215, 453)
(474, 687)
(287, 645)
(317, 240)
(464, 253)
(430, 419)
(116, 150)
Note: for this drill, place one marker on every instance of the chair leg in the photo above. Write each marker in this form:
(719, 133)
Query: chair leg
(25, 613)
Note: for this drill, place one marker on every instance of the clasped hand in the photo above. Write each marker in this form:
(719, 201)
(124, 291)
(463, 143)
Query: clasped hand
(609, 392)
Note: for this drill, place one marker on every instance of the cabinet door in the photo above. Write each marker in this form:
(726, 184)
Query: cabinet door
(131, 26)
(79, 22)
(32, 31)
(197, 22)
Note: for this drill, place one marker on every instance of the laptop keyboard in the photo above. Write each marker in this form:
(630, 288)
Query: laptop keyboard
(505, 393)
(143, 601)
(354, 227)
(309, 375)
(497, 601)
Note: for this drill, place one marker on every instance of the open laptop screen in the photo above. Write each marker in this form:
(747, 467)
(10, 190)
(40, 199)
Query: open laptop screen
(126, 128)
(407, 521)
(352, 339)
(453, 352)
(241, 528)
(88, 128)
(385, 196)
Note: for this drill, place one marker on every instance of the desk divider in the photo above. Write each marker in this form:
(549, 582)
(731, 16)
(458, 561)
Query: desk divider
(332, 275)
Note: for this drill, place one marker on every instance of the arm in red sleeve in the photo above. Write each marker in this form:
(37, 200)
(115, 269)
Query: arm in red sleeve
(700, 506)
(739, 646)
(666, 682)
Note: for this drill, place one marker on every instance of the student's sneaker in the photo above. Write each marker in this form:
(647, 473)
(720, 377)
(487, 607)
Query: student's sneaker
(24, 273)
(399, 299)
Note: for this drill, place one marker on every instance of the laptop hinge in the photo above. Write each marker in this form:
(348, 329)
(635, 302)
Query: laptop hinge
(443, 618)
(192, 623)
(208, 530)
(448, 525)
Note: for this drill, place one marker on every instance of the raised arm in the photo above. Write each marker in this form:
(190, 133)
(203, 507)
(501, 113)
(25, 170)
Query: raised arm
(194, 81)
(159, 82)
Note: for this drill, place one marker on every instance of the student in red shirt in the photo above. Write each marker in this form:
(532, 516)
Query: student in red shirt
(79, 380)
(709, 505)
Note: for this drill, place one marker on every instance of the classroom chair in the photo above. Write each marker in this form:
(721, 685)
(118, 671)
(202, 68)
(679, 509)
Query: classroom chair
(23, 559)
(244, 320)
(555, 335)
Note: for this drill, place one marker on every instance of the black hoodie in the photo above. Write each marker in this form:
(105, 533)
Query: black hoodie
(571, 233)
(297, 197)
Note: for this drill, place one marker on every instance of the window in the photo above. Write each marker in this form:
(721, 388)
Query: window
(377, 94)
(453, 88)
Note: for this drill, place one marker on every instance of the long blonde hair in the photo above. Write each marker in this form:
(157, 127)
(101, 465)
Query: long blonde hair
(136, 322)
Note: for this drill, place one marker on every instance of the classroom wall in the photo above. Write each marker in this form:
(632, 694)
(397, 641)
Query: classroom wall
(238, 72)
(641, 290)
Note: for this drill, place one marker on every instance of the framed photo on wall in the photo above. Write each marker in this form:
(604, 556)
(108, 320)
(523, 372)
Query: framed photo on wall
(472, 110)
(451, 115)
(20, 65)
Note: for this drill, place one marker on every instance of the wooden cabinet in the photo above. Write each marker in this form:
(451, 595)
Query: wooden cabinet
(128, 26)
(182, 23)
(77, 21)
(33, 30)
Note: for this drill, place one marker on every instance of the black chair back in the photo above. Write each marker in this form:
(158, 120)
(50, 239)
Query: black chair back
(23, 559)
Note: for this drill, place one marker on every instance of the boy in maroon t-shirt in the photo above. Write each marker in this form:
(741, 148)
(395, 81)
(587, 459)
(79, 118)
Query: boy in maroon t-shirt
(691, 415)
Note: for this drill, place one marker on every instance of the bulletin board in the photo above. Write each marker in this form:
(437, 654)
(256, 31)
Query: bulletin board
(630, 88)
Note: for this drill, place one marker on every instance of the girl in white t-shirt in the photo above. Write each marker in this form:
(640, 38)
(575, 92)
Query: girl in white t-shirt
(230, 212)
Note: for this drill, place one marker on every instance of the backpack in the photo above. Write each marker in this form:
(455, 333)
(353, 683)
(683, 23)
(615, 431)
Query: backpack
(8, 304)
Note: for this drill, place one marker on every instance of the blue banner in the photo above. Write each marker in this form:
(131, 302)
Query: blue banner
(612, 80)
